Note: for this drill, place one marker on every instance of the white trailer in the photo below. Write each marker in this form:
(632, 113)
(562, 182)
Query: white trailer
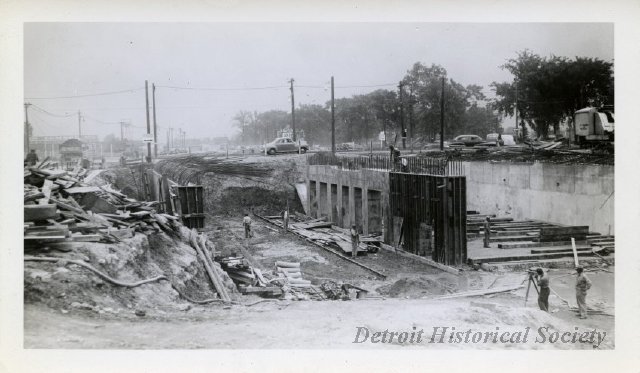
(592, 124)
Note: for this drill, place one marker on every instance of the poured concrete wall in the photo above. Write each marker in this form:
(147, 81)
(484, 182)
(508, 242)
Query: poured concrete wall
(562, 194)
(351, 197)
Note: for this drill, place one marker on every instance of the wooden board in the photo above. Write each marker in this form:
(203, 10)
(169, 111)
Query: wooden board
(83, 189)
(271, 290)
(40, 212)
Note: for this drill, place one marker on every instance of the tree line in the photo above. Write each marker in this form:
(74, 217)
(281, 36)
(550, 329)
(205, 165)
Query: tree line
(548, 91)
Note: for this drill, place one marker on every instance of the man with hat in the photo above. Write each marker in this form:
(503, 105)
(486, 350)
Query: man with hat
(543, 295)
(582, 285)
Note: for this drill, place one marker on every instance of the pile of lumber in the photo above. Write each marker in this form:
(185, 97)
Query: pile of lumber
(325, 233)
(60, 208)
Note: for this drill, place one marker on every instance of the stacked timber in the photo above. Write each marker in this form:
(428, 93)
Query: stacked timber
(322, 232)
(601, 244)
(59, 208)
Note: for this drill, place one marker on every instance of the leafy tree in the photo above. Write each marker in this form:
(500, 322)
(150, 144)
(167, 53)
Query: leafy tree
(425, 85)
(550, 90)
(242, 120)
(481, 121)
(315, 120)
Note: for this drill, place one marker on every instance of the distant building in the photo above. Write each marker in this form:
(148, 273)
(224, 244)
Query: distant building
(71, 153)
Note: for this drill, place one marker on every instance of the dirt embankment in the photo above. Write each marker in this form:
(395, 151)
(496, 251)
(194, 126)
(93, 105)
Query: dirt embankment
(237, 185)
(71, 288)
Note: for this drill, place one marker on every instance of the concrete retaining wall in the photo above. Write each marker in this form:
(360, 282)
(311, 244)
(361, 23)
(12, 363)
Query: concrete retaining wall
(352, 196)
(562, 194)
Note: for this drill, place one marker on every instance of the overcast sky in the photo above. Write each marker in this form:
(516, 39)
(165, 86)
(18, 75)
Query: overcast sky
(70, 59)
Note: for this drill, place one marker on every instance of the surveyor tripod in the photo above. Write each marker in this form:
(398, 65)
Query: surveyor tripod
(531, 281)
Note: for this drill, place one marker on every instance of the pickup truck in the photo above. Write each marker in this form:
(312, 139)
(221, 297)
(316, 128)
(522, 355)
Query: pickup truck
(285, 145)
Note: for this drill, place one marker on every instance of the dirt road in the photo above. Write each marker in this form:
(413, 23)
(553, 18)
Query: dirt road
(329, 324)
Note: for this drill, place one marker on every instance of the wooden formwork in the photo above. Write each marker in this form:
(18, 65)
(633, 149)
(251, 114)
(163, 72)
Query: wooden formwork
(430, 200)
(191, 205)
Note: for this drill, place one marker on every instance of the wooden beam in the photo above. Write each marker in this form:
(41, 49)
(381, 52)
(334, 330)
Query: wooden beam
(39, 212)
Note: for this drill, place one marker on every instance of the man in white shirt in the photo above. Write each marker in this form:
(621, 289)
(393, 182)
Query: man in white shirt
(247, 226)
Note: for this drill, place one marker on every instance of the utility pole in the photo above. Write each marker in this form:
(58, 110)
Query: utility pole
(400, 88)
(442, 117)
(333, 120)
(293, 112)
(516, 110)
(146, 100)
(411, 117)
(155, 127)
(122, 125)
(79, 125)
(27, 128)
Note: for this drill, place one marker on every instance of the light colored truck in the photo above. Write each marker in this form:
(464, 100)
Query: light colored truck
(592, 125)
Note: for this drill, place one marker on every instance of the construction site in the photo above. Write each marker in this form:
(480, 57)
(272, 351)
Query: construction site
(156, 256)
(234, 186)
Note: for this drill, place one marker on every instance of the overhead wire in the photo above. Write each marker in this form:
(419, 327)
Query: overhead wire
(221, 89)
(38, 108)
(85, 95)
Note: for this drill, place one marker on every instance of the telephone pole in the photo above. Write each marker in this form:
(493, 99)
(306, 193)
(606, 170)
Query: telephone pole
(333, 120)
(411, 117)
(79, 125)
(146, 99)
(400, 88)
(516, 110)
(27, 127)
(155, 127)
(442, 117)
(122, 125)
(293, 112)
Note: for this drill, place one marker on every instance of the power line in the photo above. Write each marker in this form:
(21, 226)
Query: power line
(85, 95)
(221, 89)
(100, 121)
(51, 114)
(368, 86)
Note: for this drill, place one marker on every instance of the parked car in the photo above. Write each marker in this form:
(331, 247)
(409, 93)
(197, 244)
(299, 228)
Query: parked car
(492, 140)
(285, 145)
(466, 140)
(434, 147)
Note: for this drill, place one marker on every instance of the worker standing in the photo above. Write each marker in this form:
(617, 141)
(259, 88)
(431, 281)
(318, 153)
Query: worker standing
(543, 294)
(487, 232)
(355, 241)
(582, 285)
(247, 226)
(285, 220)
(394, 155)
(32, 158)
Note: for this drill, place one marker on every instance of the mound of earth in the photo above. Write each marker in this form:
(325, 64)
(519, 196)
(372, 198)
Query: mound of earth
(72, 288)
(419, 287)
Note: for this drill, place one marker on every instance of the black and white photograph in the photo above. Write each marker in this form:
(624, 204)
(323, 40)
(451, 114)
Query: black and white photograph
(352, 186)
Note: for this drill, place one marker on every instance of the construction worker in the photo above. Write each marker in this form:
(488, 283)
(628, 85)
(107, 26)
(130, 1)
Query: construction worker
(487, 232)
(355, 241)
(32, 158)
(285, 220)
(582, 285)
(246, 221)
(395, 158)
(543, 294)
